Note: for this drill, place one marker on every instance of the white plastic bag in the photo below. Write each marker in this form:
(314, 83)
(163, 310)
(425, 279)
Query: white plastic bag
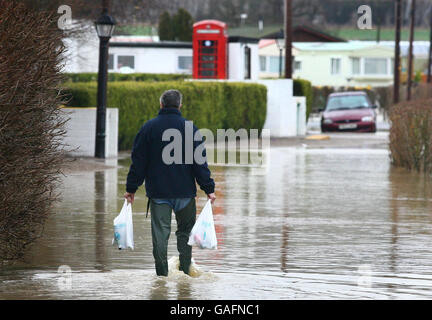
(123, 228)
(203, 233)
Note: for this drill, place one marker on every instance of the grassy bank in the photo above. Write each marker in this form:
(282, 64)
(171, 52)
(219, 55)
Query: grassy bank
(344, 32)
(387, 34)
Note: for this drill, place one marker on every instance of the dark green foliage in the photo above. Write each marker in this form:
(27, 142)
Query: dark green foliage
(182, 23)
(211, 105)
(166, 31)
(303, 88)
(176, 28)
(81, 94)
(112, 76)
(244, 105)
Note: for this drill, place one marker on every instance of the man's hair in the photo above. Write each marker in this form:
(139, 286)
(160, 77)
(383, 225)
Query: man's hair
(171, 99)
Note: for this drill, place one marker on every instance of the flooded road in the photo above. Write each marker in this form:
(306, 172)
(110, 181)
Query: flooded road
(332, 223)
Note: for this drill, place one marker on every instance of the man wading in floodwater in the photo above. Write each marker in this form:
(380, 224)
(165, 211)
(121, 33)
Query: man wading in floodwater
(169, 186)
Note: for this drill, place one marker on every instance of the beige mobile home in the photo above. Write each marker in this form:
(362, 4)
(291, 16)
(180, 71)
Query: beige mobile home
(351, 63)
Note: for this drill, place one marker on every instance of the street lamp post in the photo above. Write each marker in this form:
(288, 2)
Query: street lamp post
(429, 75)
(280, 42)
(105, 28)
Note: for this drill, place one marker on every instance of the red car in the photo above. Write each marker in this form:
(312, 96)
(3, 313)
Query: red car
(349, 111)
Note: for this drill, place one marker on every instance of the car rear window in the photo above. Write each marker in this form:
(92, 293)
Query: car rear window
(344, 102)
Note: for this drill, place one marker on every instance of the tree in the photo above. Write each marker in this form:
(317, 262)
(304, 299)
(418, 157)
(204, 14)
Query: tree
(178, 28)
(182, 24)
(165, 27)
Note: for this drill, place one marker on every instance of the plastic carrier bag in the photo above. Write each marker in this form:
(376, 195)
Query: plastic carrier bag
(203, 233)
(123, 228)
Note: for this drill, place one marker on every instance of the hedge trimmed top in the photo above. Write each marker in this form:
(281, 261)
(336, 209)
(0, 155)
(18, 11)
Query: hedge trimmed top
(114, 76)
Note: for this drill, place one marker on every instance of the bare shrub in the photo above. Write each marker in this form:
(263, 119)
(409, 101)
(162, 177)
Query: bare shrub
(31, 124)
(411, 135)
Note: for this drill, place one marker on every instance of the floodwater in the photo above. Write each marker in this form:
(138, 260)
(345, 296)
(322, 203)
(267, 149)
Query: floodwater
(313, 224)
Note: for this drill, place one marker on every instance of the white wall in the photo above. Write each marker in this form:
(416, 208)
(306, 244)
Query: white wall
(81, 132)
(281, 117)
(82, 55)
(301, 115)
(236, 60)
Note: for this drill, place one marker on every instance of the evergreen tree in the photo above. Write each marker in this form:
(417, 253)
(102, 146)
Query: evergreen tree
(182, 24)
(165, 27)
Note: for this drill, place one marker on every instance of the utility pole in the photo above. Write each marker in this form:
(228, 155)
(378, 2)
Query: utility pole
(378, 36)
(104, 28)
(410, 54)
(288, 39)
(396, 73)
(430, 49)
(105, 6)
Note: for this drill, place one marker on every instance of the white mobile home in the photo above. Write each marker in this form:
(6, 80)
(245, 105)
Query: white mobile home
(333, 64)
(128, 54)
(150, 57)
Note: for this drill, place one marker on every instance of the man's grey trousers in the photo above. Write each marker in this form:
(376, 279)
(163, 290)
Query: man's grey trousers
(161, 229)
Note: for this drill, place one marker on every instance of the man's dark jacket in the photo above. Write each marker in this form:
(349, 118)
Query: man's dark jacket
(165, 180)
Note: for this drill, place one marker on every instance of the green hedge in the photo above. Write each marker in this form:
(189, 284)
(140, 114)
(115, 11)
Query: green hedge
(112, 76)
(211, 105)
(303, 88)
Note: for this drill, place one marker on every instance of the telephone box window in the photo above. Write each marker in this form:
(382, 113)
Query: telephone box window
(208, 73)
(207, 59)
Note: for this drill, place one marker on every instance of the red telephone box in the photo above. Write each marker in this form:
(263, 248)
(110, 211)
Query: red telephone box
(210, 50)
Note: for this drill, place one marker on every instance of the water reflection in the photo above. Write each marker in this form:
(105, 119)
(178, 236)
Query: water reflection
(184, 290)
(411, 211)
(159, 289)
(99, 216)
(303, 227)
